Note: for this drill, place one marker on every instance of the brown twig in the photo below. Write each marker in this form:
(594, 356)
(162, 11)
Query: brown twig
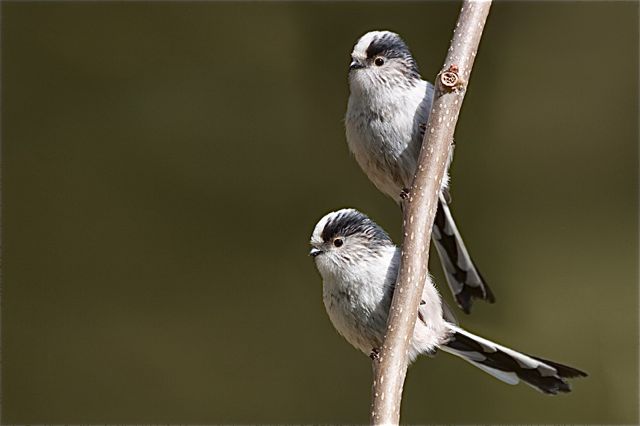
(390, 368)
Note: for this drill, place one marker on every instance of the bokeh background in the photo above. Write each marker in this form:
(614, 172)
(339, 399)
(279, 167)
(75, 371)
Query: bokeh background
(164, 165)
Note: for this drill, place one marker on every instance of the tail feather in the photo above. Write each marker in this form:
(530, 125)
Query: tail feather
(462, 275)
(563, 370)
(508, 365)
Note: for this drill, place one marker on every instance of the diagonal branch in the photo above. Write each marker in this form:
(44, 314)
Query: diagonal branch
(390, 368)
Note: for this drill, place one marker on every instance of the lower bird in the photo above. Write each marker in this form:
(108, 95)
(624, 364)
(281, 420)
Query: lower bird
(359, 265)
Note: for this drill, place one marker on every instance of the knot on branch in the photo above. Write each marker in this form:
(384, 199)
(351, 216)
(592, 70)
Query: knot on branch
(450, 79)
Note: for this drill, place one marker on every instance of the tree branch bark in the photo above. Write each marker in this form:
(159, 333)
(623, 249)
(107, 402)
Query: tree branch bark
(390, 368)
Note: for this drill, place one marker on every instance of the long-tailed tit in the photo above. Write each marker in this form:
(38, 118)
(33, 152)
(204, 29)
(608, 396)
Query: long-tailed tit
(385, 121)
(359, 263)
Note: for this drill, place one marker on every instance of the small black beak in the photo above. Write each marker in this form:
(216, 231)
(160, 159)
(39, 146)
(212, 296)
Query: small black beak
(355, 65)
(314, 252)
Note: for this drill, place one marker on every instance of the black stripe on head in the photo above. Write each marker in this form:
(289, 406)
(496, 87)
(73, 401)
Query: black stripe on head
(350, 222)
(391, 46)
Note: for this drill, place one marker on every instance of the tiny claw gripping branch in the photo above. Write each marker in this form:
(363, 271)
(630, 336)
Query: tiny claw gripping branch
(375, 354)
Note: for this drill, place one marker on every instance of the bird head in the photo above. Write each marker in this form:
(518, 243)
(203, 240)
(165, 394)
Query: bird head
(344, 238)
(381, 59)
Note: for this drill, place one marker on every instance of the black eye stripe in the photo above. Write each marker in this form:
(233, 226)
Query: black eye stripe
(390, 46)
(352, 222)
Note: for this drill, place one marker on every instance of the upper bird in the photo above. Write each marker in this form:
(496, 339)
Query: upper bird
(386, 116)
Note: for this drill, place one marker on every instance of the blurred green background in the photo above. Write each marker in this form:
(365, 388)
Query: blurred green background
(165, 163)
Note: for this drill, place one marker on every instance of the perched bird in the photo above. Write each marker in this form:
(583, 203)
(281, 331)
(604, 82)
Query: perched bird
(387, 113)
(359, 264)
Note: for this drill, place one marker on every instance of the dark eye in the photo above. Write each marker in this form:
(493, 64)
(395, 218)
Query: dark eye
(338, 242)
(379, 61)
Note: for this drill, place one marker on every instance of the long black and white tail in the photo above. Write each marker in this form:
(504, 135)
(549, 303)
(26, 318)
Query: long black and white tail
(508, 365)
(463, 277)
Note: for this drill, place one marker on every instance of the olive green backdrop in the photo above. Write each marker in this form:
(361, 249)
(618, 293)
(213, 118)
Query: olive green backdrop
(164, 165)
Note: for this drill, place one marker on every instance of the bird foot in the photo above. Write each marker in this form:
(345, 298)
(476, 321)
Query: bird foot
(375, 354)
